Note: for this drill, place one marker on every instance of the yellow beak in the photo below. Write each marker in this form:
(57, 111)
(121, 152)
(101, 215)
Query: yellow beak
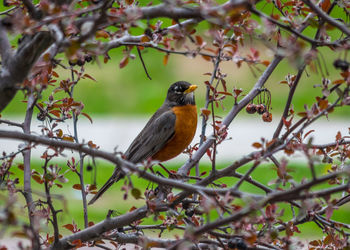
(191, 89)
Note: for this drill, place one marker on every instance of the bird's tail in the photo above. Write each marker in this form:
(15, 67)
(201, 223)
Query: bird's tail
(116, 176)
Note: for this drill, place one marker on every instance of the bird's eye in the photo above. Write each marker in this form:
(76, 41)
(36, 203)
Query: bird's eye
(178, 90)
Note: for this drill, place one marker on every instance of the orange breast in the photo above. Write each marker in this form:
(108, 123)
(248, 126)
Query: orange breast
(185, 129)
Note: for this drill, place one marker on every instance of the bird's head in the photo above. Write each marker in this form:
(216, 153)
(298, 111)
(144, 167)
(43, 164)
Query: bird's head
(181, 93)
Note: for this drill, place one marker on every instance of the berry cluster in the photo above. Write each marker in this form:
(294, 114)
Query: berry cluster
(81, 61)
(263, 106)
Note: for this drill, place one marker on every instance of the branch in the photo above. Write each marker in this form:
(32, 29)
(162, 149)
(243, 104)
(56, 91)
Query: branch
(326, 17)
(289, 101)
(50, 204)
(122, 164)
(10, 123)
(96, 231)
(129, 40)
(27, 175)
(333, 144)
(294, 31)
(167, 10)
(5, 12)
(274, 197)
(120, 221)
(143, 63)
(5, 48)
(35, 13)
(81, 158)
(19, 65)
(232, 114)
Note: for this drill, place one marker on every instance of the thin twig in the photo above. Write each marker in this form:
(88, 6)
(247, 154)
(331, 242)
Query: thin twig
(10, 123)
(143, 63)
(50, 204)
(293, 30)
(326, 17)
(241, 180)
(5, 12)
(27, 190)
(289, 101)
(81, 158)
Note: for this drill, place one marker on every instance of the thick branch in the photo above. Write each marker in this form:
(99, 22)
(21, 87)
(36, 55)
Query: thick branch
(121, 163)
(167, 10)
(96, 231)
(32, 10)
(5, 47)
(19, 65)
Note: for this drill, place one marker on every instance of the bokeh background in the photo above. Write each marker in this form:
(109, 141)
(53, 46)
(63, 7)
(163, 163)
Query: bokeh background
(126, 96)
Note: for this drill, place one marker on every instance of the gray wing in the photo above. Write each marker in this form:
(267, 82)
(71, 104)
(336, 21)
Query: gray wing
(157, 132)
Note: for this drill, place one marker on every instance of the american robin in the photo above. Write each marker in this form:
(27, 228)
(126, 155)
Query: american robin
(169, 131)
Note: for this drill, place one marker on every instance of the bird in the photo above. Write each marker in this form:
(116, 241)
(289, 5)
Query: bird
(167, 133)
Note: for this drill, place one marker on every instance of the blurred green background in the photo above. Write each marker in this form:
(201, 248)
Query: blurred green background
(129, 92)
(113, 198)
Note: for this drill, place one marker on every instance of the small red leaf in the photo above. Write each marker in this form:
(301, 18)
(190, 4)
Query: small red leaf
(266, 62)
(205, 112)
(199, 40)
(38, 179)
(55, 112)
(68, 138)
(325, 5)
(207, 58)
(132, 209)
(87, 116)
(312, 130)
(145, 39)
(77, 186)
(339, 81)
(54, 73)
(88, 76)
(70, 227)
(124, 62)
(257, 145)
(102, 34)
(323, 104)
(165, 59)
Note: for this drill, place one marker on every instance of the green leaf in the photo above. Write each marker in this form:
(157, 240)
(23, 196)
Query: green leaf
(136, 193)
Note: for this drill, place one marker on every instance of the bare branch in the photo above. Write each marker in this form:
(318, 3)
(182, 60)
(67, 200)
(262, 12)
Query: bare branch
(32, 10)
(119, 162)
(27, 175)
(10, 123)
(273, 197)
(327, 18)
(97, 230)
(232, 114)
(294, 31)
(19, 65)
(289, 101)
